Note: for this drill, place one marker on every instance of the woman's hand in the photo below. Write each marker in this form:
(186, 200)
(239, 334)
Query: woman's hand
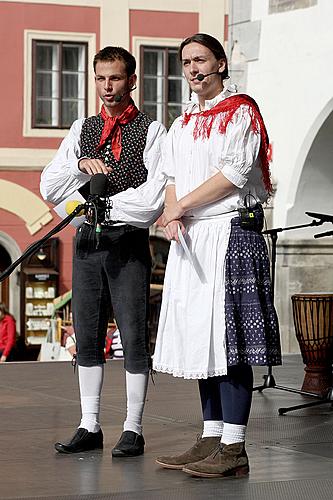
(171, 230)
(172, 211)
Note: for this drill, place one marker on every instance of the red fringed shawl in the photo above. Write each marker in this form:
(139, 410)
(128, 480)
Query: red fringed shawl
(226, 109)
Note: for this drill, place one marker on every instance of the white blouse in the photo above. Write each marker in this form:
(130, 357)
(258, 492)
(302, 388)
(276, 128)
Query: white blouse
(188, 163)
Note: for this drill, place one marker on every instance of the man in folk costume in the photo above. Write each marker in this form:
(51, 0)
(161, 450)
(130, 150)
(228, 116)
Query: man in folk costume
(217, 316)
(125, 145)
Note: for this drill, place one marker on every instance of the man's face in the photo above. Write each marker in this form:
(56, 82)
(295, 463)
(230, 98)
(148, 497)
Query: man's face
(111, 79)
(197, 58)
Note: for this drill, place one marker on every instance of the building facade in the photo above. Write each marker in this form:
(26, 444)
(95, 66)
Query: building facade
(279, 52)
(48, 81)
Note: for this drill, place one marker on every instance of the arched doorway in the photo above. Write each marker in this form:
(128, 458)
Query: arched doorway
(9, 252)
(313, 189)
(5, 261)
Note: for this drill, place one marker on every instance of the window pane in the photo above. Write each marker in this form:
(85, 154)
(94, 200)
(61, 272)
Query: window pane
(70, 58)
(150, 63)
(174, 64)
(173, 112)
(69, 86)
(150, 89)
(44, 112)
(151, 110)
(69, 112)
(44, 85)
(44, 56)
(175, 91)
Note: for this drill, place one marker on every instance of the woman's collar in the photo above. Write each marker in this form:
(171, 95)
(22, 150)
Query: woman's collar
(193, 106)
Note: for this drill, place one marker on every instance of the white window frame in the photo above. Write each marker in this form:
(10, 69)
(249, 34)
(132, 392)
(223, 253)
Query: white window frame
(29, 36)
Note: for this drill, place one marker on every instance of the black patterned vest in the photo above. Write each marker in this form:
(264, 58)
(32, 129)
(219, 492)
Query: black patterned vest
(130, 170)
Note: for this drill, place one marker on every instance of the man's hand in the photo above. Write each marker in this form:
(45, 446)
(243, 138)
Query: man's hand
(171, 230)
(172, 211)
(3, 359)
(93, 166)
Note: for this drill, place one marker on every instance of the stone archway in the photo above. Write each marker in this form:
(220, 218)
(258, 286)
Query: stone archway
(304, 264)
(25, 204)
(311, 186)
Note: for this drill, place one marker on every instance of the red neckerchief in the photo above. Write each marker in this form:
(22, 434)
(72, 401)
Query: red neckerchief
(112, 127)
(226, 109)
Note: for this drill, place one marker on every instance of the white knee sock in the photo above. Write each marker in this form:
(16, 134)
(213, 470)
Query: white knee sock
(136, 389)
(212, 428)
(90, 381)
(233, 433)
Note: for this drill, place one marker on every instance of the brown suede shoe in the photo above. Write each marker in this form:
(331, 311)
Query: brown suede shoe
(202, 448)
(226, 461)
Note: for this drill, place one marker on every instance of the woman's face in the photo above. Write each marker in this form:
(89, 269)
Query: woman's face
(197, 58)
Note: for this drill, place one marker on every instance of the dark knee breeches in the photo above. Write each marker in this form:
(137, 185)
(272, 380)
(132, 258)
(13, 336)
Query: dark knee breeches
(116, 276)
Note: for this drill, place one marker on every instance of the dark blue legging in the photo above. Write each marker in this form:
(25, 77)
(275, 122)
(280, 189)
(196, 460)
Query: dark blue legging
(228, 397)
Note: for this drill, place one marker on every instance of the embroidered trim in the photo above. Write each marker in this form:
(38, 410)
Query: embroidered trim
(190, 375)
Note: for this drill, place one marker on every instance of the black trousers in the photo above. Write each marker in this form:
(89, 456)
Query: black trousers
(116, 273)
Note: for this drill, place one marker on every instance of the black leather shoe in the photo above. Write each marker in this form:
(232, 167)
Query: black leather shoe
(130, 444)
(82, 440)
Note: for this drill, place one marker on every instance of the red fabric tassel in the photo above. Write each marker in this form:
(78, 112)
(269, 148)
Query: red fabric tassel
(204, 121)
(112, 127)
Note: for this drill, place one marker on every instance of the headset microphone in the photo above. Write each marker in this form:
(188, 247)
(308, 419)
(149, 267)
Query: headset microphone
(118, 97)
(200, 76)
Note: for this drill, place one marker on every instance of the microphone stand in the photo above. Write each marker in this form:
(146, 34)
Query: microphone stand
(34, 247)
(269, 380)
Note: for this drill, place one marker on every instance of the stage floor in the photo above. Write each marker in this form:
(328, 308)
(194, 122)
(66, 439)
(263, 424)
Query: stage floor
(291, 456)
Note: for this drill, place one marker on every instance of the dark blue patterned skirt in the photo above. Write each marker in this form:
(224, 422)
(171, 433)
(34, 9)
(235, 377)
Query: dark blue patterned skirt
(252, 327)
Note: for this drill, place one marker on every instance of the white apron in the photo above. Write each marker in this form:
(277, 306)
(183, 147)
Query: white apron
(191, 337)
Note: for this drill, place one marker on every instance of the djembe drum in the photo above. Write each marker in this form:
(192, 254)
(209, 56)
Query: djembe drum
(313, 319)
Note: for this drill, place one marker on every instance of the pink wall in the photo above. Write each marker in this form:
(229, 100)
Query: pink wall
(163, 24)
(15, 227)
(14, 19)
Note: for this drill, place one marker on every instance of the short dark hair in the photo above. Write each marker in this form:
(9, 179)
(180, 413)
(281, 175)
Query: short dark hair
(116, 53)
(212, 44)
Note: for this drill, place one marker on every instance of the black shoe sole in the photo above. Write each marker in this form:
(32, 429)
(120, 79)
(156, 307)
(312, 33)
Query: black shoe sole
(60, 449)
(120, 453)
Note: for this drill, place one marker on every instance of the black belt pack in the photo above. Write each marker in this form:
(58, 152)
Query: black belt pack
(252, 217)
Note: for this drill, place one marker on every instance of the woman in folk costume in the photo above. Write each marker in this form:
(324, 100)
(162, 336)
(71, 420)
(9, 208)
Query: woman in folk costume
(217, 317)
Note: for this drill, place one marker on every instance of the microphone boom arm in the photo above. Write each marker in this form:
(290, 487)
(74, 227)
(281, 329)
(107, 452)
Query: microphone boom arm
(34, 247)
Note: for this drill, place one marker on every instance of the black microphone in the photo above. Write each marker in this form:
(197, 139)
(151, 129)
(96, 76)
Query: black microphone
(118, 97)
(200, 76)
(98, 184)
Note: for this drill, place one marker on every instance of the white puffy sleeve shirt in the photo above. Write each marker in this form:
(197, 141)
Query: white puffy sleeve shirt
(62, 177)
(235, 153)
